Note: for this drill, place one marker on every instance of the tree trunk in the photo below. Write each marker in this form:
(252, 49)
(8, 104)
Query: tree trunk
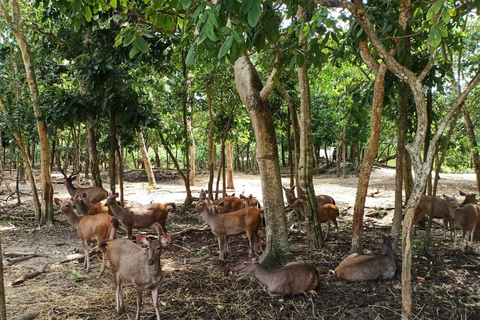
(229, 165)
(211, 146)
(146, 161)
(112, 167)
(47, 188)
(3, 306)
(473, 144)
(187, 114)
(92, 150)
(305, 165)
(255, 100)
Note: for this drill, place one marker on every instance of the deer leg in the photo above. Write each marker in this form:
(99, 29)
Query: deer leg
(86, 262)
(455, 239)
(328, 230)
(139, 303)
(155, 301)
(129, 232)
(102, 268)
(118, 293)
(221, 245)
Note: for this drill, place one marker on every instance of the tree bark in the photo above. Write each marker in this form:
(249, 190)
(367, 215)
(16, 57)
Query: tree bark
(17, 26)
(305, 165)
(211, 146)
(92, 148)
(146, 161)
(112, 167)
(229, 149)
(473, 144)
(3, 306)
(249, 86)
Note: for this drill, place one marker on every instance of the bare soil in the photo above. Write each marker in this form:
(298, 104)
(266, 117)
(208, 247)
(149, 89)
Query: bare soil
(446, 282)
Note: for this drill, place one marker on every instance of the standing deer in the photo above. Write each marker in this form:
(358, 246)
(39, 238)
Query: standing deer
(140, 217)
(85, 210)
(97, 227)
(320, 200)
(464, 218)
(130, 263)
(91, 195)
(246, 220)
(325, 213)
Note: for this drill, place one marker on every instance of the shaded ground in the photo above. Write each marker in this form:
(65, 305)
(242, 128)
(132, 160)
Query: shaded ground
(446, 283)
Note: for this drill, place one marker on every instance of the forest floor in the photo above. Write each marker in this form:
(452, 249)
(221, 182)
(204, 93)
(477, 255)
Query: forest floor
(445, 282)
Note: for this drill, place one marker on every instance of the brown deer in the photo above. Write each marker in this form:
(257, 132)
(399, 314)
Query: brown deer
(91, 195)
(441, 210)
(246, 220)
(140, 217)
(321, 199)
(98, 227)
(293, 278)
(463, 218)
(250, 201)
(130, 263)
(230, 203)
(85, 210)
(358, 267)
(325, 213)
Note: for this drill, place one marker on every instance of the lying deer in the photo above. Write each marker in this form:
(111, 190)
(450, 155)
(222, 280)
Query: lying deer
(246, 220)
(357, 267)
(325, 213)
(130, 263)
(91, 195)
(85, 210)
(99, 227)
(293, 278)
(140, 217)
(463, 218)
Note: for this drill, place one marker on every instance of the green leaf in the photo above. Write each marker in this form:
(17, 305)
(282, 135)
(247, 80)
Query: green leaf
(133, 52)
(254, 14)
(186, 4)
(199, 10)
(210, 33)
(246, 5)
(190, 56)
(237, 36)
(87, 14)
(225, 47)
(141, 44)
(434, 9)
(359, 33)
(445, 16)
(442, 30)
(434, 38)
(113, 3)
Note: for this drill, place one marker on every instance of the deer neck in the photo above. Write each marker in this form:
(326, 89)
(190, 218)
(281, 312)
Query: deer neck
(263, 275)
(118, 211)
(81, 207)
(72, 217)
(71, 189)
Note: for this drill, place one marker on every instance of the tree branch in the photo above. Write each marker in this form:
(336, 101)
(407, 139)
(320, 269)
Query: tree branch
(270, 84)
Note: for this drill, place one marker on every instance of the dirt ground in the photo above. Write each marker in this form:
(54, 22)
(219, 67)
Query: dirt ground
(446, 282)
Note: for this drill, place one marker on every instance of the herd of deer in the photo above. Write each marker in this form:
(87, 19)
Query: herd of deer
(99, 215)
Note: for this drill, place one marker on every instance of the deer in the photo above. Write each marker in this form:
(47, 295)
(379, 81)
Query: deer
(321, 199)
(223, 226)
(99, 227)
(250, 201)
(140, 217)
(292, 279)
(230, 203)
(441, 210)
(325, 213)
(91, 195)
(358, 267)
(84, 210)
(130, 263)
(462, 217)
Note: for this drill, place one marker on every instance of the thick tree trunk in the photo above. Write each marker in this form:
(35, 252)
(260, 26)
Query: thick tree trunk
(146, 161)
(47, 188)
(3, 306)
(249, 86)
(305, 165)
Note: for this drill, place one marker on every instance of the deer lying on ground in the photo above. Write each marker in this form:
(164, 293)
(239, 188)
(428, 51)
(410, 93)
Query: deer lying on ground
(246, 220)
(97, 227)
(130, 263)
(91, 195)
(84, 210)
(441, 209)
(358, 267)
(140, 217)
(293, 278)
(462, 218)
(325, 213)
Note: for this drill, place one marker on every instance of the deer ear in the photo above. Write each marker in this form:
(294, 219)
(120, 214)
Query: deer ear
(142, 240)
(158, 228)
(221, 204)
(117, 194)
(165, 240)
(255, 258)
(242, 196)
(57, 201)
